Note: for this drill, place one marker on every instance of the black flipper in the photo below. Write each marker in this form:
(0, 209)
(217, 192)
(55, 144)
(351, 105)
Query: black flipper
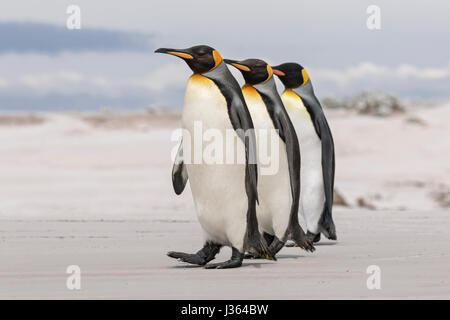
(243, 125)
(179, 172)
(286, 131)
(314, 108)
(328, 168)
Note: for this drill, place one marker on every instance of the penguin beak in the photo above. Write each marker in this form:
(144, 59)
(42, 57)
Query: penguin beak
(183, 54)
(278, 72)
(237, 65)
(229, 61)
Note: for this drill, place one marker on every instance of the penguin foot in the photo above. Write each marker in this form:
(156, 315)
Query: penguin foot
(330, 233)
(275, 246)
(301, 240)
(234, 262)
(306, 245)
(326, 225)
(268, 237)
(258, 246)
(225, 265)
(313, 237)
(202, 257)
(332, 237)
(251, 256)
(187, 257)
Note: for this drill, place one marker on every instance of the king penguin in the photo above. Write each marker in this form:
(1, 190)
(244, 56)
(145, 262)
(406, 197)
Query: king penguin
(317, 150)
(225, 195)
(279, 191)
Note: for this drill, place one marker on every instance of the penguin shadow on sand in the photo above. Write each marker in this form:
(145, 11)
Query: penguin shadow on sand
(298, 256)
(317, 244)
(324, 244)
(290, 256)
(246, 263)
(255, 263)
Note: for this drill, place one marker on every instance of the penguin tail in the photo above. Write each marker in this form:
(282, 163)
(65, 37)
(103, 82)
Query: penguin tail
(326, 224)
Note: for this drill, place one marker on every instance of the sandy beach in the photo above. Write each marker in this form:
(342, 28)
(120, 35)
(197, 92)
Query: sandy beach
(94, 190)
(126, 259)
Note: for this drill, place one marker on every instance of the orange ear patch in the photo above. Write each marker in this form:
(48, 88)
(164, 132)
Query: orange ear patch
(305, 76)
(269, 72)
(217, 58)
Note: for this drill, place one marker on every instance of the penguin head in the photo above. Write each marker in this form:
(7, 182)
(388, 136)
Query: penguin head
(291, 74)
(200, 59)
(255, 71)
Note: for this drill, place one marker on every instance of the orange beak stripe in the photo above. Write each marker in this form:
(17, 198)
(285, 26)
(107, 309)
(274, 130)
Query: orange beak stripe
(278, 72)
(181, 55)
(241, 67)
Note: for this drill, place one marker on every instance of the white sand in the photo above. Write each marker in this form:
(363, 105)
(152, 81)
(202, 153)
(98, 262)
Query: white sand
(394, 163)
(126, 259)
(76, 193)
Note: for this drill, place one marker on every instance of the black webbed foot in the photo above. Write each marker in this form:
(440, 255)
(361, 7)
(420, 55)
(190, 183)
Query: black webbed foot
(187, 257)
(251, 256)
(234, 262)
(268, 237)
(301, 239)
(275, 245)
(314, 238)
(202, 257)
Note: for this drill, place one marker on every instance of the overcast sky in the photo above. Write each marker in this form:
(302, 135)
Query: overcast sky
(110, 61)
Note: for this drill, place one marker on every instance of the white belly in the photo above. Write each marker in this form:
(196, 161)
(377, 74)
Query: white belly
(312, 195)
(274, 188)
(218, 189)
